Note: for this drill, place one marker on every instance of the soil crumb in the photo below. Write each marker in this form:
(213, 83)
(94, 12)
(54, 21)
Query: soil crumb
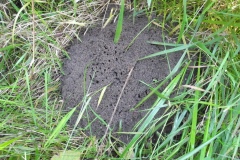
(106, 63)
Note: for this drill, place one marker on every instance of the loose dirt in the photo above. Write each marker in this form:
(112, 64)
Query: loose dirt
(107, 63)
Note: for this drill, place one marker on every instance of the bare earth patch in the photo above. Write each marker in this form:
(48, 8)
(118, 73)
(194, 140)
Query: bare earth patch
(111, 64)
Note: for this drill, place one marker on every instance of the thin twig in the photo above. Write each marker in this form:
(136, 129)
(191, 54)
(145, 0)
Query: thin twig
(115, 108)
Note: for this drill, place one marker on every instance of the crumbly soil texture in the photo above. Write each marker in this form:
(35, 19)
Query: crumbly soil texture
(96, 62)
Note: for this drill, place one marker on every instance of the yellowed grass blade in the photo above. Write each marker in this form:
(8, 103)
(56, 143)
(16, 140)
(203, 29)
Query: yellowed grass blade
(101, 95)
(111, 16)
(74, 22)
(194, 87)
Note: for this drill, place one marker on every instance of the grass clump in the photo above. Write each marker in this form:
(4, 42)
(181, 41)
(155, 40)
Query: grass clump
(33, 35)
(201, 102)
(206, 102)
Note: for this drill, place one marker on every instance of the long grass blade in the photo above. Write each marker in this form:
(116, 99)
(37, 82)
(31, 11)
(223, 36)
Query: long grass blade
(7, 143)
(195, 112)
(190, 154)
(183, 47)
(16, 18)
(151, 115)
(184, 21)
(59, 127)
(119, 24)
(30, 97)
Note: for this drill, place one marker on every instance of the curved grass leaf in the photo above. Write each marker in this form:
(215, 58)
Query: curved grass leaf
(58, 129)
(7, 143)
(190, 154)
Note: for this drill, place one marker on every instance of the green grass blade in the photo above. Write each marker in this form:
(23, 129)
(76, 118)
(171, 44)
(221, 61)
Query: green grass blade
(164, 43)
(160, 95)
(46, 95)
(206, 133)
(175, 151)
(16, 18)
(17, 9)
(190, 154)
(216, 77)
(9, 47)
(183, 47)
(184, 21)
(30, 96)
(195, 111)
(175, 69)
(86, 101)
(7, 143)
(129, 45)
(59, 127)
(168, 90)
(119, 24)
(203, 47)
(134, 10)
(237, 144)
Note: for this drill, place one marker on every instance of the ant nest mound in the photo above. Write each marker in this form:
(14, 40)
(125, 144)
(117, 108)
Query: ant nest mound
(97, 62)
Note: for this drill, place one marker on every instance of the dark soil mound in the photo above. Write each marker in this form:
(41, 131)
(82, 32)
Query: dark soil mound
(111, 64)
